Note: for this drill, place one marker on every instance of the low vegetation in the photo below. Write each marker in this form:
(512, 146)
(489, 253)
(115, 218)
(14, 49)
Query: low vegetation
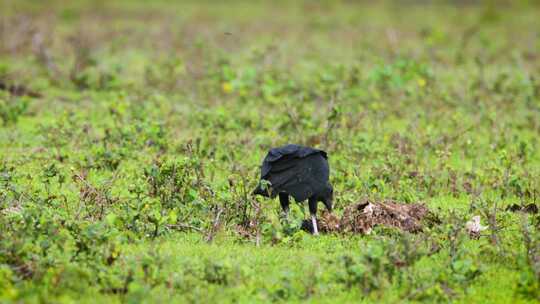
(131, 135)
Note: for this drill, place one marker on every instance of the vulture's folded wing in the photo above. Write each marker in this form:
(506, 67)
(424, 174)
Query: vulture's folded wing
(280, 158)
(300, 177)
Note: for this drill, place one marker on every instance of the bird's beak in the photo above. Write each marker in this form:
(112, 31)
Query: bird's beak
(328, 205)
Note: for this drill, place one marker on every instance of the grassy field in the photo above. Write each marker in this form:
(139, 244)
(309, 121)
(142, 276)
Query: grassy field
(131, 134)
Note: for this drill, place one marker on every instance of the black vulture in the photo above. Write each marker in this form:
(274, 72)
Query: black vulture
(300, 172)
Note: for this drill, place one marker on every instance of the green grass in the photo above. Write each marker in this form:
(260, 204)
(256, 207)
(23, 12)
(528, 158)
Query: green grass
(127, 180)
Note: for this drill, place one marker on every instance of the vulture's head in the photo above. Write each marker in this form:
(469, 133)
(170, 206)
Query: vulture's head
(327, 196)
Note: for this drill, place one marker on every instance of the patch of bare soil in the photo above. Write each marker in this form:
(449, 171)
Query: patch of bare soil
(18, 90)
(326, 223)
(362, 217)
(530, 208)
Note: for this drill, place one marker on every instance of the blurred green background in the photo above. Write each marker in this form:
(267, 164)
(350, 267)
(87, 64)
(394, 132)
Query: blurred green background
(131, 133)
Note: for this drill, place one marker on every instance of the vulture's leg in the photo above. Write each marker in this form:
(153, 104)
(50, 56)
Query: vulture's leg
(313, 213)
(284, 201)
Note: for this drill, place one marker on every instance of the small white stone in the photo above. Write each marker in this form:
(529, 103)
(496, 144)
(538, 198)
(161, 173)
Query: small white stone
(473, 226)
(368, 209)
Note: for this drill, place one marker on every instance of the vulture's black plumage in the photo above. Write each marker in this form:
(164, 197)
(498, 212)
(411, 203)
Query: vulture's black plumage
(297, 171)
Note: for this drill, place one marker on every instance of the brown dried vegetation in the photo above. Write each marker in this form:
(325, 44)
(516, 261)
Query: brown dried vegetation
(362, 217)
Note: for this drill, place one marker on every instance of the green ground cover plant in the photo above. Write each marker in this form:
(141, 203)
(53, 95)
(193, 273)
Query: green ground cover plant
(131, 134)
